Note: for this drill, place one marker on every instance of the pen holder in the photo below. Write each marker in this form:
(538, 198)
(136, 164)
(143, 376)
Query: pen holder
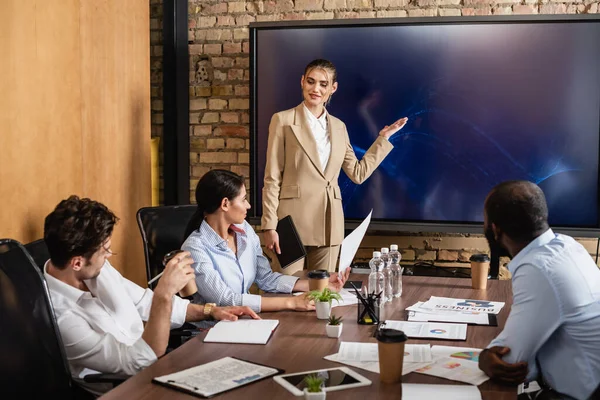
(369, 310)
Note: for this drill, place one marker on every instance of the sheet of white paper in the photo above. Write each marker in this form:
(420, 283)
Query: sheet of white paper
(468, 353)
(456, 369)
(413, 391)
(252, 331)
(455, 363)
(368, 352)
(217, 376)
(450, 304)
(348, 299)
(432, 330)
(452, 316)
(373, 366)
(361, 352)
(352, 242)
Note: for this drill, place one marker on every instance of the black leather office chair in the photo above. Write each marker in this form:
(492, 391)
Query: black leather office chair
(39, 252)
(162, 230)
(32, 358)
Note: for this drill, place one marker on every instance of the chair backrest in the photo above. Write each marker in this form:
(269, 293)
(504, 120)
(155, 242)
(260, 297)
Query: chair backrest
(162, 230)
(39, 252)
(32, 359)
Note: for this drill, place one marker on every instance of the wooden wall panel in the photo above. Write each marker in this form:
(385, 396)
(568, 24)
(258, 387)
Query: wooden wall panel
(75, 115)
(115, 87)
(40, 117)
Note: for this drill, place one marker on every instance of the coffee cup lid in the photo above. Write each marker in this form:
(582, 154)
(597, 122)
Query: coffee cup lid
(391, 336)
(318, 274)
(480, 258)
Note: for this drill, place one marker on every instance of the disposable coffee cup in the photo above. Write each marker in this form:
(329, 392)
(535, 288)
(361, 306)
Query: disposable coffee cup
(480, 265)
(390, 344)
(318, 279)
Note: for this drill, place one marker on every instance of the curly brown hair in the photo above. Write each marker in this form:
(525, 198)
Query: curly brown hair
(77, 227)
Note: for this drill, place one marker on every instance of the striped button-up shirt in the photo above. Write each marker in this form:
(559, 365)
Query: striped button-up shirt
(223, 277)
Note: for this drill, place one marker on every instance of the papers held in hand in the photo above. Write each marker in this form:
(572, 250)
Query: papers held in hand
(290, 244)
(248, 331)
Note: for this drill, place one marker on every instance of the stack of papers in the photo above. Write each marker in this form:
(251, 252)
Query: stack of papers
(455, 363)
(366, 356)
(250, 331)
(445, 309)
(429, 330)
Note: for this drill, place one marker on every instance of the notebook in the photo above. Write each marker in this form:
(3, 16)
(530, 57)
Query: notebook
(247, 331)
(216, 377)
(290, 244)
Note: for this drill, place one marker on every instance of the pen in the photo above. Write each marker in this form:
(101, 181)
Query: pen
(155, 278)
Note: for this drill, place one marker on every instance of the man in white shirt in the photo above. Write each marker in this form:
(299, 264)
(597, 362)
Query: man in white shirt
(100, 314)
(551, 333)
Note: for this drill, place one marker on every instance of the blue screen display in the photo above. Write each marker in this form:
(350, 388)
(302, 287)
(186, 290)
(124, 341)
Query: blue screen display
(486, 103)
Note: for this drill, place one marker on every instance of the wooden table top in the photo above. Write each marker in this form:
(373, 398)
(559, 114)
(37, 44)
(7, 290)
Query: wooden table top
(299, 344)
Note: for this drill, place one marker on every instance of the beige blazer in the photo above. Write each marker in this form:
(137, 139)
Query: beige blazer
(295, 183)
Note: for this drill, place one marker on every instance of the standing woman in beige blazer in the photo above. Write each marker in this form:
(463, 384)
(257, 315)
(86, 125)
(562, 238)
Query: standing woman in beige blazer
(306, 150)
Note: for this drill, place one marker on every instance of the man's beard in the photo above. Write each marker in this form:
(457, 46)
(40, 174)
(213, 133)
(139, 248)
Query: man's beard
(495, 246)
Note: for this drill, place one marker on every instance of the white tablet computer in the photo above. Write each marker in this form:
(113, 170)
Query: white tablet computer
(333, 379)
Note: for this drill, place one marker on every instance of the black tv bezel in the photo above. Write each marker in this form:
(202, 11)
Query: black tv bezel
(397, 225)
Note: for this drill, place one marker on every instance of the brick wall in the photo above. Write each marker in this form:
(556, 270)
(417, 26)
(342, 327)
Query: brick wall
(219, 89)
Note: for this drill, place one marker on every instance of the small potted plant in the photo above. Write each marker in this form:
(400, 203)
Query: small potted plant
(334, 327)
(323, 301)
(314, 388)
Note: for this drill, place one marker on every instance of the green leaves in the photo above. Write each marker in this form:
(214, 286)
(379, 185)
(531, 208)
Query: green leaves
(313, 383)
(327, 295)
(333, 320)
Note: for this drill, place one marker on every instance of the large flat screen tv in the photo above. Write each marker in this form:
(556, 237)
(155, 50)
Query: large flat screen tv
(488, 99)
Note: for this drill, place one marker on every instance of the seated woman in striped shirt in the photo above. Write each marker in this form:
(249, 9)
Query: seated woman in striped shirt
(227, 254)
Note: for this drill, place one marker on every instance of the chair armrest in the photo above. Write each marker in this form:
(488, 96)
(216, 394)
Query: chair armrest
(115, 379)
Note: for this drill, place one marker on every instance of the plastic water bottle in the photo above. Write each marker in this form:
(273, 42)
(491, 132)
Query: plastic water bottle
(376, 279)
(396, 271)
(387, 275)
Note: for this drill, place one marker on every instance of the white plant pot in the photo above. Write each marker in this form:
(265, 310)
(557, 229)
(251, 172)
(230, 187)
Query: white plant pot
(334, 331)
(314, 396)
(323, 309)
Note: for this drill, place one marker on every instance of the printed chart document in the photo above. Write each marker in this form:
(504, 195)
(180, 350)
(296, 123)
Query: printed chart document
(454, 317)
(351, 243)
(216, 377)
(351, 353)
(431, 330)
(365, 352)
(450, 304)
(455, 363)
(413, 391)
(250, 331)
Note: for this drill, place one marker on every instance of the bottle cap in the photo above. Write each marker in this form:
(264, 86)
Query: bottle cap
(385, 250)
(393, 247)
(376, 254)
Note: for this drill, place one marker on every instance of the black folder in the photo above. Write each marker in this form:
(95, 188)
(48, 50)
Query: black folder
(290, 244)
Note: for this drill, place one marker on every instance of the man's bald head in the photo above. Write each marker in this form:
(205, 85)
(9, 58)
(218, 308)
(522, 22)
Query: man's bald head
(518, 209)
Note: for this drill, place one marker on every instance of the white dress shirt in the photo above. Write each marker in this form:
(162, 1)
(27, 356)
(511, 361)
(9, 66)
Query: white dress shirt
(223, 277)
(318, 127)
(555, 315)
(102, 329)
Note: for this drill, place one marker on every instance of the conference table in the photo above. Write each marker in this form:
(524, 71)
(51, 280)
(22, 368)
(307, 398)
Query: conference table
(300, 342)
